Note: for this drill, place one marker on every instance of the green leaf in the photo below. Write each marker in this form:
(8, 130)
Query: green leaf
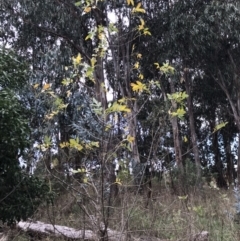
(219, 126)
(79, 170)
(112, 28)
(167, 69)
(178, 96)
(77, 4)
(47, 141)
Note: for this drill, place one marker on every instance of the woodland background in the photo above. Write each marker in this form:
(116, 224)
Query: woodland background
(120, 118)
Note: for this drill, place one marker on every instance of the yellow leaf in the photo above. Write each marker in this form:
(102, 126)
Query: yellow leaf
(108, 127)
(79, 170)
(141, 26)
(146, 31)
(64, 144)
(75, 144)
(91, 145)
(140, 76)
(95, 143)
(178, 96)
(185, 139)
(138, 87)
(118, 181)
(51, 115)
(89, 36)
(130, 2)
(68, 93)
(136, 65)
(77, 60)
(93, 61)
(116, 107)
(130, 139)
(179, 113)
(157, 65)
(123, 100)
(167, 69)
(219, 126)
(138, 9)
(35, 86)
(139, 56)
(87, 9)
(101, 36)
(46, 86)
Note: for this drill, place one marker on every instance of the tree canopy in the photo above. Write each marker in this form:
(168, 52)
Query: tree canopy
(141, 82)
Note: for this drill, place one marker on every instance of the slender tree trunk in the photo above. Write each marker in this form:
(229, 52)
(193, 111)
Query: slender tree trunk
(235, 109)
(132, 125)
(192, 126)
(176, 138)
(230, 167)
(238, 162)
(122, 55)
(238, 124)
(228, 155)
(221, 182)
(100, 92)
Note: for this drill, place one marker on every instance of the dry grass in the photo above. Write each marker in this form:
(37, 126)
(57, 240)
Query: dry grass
(167, 216)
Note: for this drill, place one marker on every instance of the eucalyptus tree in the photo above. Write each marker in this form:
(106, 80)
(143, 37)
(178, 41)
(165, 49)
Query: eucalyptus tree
(201, 41)
(214, 43)
(65, 29)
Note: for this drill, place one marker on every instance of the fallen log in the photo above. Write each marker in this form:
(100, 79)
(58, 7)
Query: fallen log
(3, 237)
(71, 233)
(56, 230)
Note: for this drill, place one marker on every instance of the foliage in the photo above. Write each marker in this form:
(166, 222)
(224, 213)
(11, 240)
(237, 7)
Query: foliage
(20, 193)
(101, 87)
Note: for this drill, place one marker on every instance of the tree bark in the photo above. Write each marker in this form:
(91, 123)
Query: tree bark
(176, 138)
(229, 158)
(192, 126)
(235, 109)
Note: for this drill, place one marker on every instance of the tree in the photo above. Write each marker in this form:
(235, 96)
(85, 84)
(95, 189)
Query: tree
(20, 193)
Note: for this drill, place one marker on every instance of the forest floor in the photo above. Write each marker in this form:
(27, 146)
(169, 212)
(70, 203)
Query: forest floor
(163, 216)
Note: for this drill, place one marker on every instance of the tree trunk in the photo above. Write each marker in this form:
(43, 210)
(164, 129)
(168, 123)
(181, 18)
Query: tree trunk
(238, 124)
(132, 125)
(192, 126)
(221, 182)
(100, 92)
(176, 138)
(229, 158)
(235, 105)
(122, 56)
